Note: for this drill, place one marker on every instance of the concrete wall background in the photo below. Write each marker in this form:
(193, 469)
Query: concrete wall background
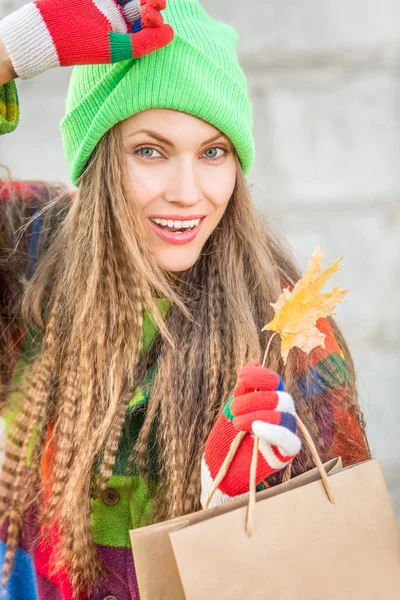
(324, 78)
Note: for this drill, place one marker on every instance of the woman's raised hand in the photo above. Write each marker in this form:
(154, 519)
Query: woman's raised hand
(59, 33)
(259, 407)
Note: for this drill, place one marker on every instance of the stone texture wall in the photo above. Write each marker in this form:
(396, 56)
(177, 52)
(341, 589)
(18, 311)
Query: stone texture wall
(324, 78)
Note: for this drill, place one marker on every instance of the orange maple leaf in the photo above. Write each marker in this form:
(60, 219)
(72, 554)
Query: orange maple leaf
(297, 311)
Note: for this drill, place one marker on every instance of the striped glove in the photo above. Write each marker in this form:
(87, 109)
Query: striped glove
(259, 406)
(60, 33)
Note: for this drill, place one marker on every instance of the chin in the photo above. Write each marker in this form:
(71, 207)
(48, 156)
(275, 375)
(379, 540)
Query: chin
(176, 265)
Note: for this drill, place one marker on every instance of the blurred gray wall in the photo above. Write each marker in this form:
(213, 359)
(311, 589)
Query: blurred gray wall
(324, 77)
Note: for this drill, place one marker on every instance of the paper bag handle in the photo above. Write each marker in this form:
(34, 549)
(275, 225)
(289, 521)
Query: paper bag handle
(253, 469)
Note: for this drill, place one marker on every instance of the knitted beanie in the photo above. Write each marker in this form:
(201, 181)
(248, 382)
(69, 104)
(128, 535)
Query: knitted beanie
(197, 73)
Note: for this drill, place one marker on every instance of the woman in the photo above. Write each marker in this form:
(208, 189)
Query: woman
(150, 288)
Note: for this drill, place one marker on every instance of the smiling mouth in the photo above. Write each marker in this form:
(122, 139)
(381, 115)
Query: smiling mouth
(176, 226)
(175, 231)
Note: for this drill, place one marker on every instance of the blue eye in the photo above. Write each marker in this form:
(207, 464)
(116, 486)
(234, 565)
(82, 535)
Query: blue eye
(212, 153)
(147, 152)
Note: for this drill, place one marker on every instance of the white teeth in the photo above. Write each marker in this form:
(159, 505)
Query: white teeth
(177, 224)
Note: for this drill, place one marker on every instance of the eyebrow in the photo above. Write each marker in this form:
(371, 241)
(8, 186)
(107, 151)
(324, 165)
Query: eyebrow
(161, 138)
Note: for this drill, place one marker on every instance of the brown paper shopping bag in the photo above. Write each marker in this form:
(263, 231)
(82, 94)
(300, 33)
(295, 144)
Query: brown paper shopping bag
(155, 563)
(336, 541)
(302, 547)
(298, 541)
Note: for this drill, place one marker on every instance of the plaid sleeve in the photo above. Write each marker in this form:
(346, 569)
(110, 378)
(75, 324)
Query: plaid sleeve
(327, 387)
(9, 108)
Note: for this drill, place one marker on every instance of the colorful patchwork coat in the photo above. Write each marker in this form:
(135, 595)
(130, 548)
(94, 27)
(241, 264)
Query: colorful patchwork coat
(126, 503)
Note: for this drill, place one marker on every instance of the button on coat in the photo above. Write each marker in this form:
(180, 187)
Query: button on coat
(110, 497)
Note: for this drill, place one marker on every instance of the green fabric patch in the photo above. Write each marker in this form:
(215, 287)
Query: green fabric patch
(141, 395)
(13, 399)
(133, 508)
(141, 504)
(131, 429)
(149, 327)
(9, 108)
(130, 433)
(134, 420)
(20, 369)
(29, 349)
(120, 46)
(260, 487)
(136, 413)
(13, 403)
(227, 409)
(31, 345)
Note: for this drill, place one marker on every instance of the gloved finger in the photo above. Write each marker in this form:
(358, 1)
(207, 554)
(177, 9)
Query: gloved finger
(151, 17)
(273, 417)
(254, 401)
(157, 4)
(147, 12)
(250, 375)
(257, 378)
(132, 10)
(273, 457)
(148, 40)
(287, 442)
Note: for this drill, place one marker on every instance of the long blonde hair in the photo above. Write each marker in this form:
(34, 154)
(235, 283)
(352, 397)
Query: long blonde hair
(86, 300)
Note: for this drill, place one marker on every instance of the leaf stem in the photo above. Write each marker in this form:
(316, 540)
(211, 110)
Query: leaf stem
(268, 347)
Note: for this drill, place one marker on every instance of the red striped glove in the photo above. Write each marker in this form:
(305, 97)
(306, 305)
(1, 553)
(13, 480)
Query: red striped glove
(259, 406)
(59, 33)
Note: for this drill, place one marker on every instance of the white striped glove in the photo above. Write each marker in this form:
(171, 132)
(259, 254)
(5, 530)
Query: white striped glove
(59, 33)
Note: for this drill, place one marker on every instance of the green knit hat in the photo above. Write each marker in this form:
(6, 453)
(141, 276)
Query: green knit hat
(197, 73)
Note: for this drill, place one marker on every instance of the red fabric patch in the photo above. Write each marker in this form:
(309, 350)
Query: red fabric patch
(219, 441)
(331, 345)
(157, 4)
(18, 189)
(47, 550)
(253, 402)
(256, 378)
(81, 40)
(280, 456)
(244, 422)
(44, 564)
(151, 17)
(237, 479)
(348, 438)
(48, 457)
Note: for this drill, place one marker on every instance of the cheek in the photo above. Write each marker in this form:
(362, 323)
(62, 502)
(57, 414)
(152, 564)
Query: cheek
(220, 188)
(143, 188)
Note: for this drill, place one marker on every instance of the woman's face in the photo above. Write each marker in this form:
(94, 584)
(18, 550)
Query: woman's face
(182, 173)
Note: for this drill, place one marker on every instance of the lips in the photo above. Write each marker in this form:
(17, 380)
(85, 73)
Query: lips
(177, 238)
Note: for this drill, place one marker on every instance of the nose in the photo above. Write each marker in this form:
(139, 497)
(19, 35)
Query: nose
(183, 185)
